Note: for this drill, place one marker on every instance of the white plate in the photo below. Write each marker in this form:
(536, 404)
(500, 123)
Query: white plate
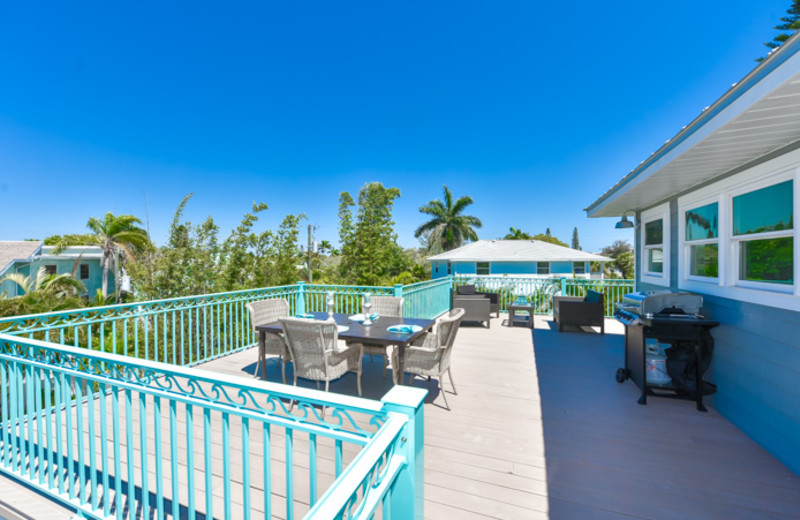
(356, 317)
(343, 328)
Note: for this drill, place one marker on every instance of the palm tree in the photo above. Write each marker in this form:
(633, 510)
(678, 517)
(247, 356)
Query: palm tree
(516, 234)
(117, 235)
(449, 227)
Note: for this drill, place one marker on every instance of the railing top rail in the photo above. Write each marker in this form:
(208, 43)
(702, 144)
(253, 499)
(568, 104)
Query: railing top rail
(349, 287)
(215, 379)
(423, 284)
(145, 303)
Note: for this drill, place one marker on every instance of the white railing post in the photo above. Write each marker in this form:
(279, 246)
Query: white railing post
(408, 493)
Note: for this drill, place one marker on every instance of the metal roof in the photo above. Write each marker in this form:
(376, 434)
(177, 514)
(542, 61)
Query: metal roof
(755, 117)
(11, 251)
(516, 251)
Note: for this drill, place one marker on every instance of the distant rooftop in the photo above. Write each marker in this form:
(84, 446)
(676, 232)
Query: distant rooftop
(516, 251)
(16, 250)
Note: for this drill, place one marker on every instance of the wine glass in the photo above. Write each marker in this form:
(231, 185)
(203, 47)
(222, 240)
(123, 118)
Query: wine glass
(367, 305)
(331, 302)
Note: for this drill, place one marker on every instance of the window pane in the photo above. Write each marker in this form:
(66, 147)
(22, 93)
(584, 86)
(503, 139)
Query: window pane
(482, 268)
(543, 267)
(655, 260)
(767, 260)
(767, 209)
(704, 260)
(579, 268)
(701, 223)
(654, 232)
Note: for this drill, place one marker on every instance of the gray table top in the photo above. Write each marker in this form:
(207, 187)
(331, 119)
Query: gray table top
(375, 333)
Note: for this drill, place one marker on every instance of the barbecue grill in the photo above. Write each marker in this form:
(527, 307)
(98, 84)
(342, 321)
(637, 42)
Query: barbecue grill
(674, 318)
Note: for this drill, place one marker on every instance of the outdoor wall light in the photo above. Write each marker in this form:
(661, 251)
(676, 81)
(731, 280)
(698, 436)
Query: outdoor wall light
(624, 223)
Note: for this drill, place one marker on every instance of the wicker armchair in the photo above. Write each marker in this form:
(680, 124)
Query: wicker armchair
(316, 351)
(263, 312)
(383, 306)
(429, 356)
(580, 311)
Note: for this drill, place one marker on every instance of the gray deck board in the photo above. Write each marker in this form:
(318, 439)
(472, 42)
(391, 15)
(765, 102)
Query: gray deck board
(538, 429)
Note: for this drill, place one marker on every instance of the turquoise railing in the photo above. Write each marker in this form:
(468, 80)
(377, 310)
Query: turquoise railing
(347, 297)
(540, 291)
(425, 299)
(115, 437)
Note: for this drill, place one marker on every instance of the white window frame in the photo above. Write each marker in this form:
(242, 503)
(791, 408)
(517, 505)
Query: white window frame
(488, 268)
(684, 246)
(449, 268)
(660, 212)
(543, 263)
(583, 268)
(728, 285)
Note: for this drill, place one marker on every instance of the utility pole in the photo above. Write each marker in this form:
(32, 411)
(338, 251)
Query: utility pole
(310, 247)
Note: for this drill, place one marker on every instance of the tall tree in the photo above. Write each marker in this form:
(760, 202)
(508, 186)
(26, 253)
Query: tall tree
(790, 24)
(576, 244)
(622, 253)
(120, 238)
(370, 253)
(547, 232)
(448, 226)
(516, 234)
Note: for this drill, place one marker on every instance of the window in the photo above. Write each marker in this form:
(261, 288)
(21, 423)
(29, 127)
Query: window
(449, 269)
(84, 271)
(51, 269)
(482, 268)
(702, 240)
(654, 225)
(542, 267)
(738, 239)
(579, 268)
(763, 234)
(654, 246)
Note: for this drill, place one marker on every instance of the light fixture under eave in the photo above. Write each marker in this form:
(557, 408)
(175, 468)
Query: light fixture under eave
(624, 223)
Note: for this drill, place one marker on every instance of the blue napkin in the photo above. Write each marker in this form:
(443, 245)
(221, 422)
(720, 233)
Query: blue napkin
(310, 316)
(404, 329)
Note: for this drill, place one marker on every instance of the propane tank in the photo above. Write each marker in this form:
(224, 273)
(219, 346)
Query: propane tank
(656, 364)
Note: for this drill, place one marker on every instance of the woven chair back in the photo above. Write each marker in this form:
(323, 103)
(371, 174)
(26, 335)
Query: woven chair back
(387, 306)
(309, 342)
(267, 311)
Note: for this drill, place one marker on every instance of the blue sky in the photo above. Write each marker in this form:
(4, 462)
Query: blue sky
(534, 109)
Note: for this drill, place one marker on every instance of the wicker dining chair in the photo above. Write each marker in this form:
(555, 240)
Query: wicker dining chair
(391, 306)
(317, 353)
(429, 355)
(261, 313)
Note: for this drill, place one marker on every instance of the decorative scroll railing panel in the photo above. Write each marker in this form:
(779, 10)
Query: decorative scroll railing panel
(116, 437)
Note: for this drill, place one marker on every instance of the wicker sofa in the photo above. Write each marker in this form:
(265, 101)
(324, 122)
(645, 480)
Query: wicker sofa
(471, 290)
(580, 311)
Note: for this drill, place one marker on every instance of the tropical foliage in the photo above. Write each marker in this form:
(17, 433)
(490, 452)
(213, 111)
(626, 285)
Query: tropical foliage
(547, 237)
(194, 261)
(516, 234)
(42, 293)
(622, 253)
(448, 225)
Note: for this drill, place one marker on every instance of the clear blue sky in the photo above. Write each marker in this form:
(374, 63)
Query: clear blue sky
(532, 108)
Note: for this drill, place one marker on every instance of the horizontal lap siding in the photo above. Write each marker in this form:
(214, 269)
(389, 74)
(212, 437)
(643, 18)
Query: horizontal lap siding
(756, 367)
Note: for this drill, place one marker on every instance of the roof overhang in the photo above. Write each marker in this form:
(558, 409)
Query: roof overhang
(757, 116)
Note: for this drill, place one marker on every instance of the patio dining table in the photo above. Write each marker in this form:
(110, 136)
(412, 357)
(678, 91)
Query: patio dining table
(375, 334)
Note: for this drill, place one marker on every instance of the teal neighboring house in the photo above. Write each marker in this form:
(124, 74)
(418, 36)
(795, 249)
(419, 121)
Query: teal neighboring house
(26, 257)
(525, 258)
(714, 214)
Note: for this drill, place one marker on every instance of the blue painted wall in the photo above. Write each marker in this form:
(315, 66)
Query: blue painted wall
(756, 364)
(439, 269)
(93, 283)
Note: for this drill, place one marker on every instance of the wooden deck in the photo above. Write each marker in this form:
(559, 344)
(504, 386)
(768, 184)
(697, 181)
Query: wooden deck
(540, 429)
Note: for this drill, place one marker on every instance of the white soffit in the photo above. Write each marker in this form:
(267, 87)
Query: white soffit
(764, 118)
